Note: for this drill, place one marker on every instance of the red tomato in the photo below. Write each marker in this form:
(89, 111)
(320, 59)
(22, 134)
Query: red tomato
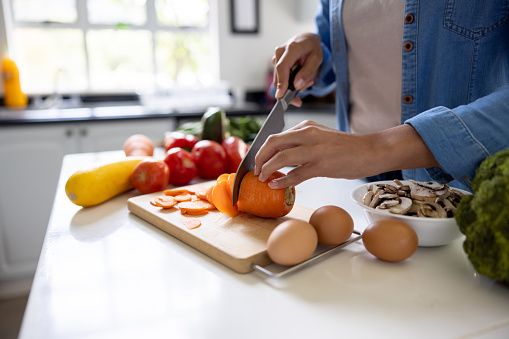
(210, 158)
(235, 149)
(179, 139)
(150, 175)
(182, 166)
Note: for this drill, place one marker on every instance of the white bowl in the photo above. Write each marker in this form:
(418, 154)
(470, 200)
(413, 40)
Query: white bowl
(430, 231)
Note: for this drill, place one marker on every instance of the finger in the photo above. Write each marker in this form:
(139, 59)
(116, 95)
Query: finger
(292, 178)
(295, 156)
(272, 146)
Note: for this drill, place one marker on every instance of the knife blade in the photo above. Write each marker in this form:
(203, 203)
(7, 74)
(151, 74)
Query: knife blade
(274, 123)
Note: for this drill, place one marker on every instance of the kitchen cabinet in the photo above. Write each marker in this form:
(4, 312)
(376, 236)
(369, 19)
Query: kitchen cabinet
(30, 161)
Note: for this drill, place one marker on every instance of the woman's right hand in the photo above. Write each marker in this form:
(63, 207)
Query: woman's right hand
(304, 49)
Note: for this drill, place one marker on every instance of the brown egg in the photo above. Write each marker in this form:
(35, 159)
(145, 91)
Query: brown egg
(292, 242)
(390, 240)
(332, 224)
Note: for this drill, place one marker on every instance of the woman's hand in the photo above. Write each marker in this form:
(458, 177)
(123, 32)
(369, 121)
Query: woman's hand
(320, 151)
(303, 49)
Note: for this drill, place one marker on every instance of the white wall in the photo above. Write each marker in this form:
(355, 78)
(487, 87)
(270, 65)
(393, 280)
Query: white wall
(245, 59)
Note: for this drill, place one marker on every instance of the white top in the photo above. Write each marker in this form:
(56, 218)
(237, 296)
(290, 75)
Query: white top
(374, 34)
(105, 273)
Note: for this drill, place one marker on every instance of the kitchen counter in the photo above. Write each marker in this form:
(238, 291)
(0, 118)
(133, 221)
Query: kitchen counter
(105, 273)
(115, 112)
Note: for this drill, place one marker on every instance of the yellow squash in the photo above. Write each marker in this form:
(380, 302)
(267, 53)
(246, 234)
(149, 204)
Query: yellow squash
(95, 185)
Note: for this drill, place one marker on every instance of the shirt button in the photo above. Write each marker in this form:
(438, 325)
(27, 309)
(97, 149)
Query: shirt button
(409, 18)
(408, 46)
(407, 99)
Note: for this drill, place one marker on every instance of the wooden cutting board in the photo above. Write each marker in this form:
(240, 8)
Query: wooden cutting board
(234, 242)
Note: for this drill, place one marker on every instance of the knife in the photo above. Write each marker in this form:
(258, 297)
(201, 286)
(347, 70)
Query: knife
(274, 123)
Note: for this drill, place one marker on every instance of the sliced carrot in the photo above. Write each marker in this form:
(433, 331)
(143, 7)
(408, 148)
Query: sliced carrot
(231, 179)
(191, 223)
(201, 192)
(183, 197)
(208, 195)
(176, 191)
(182, 211)
(164, 201)
(222, 199)
(196, 206)
(222, 177)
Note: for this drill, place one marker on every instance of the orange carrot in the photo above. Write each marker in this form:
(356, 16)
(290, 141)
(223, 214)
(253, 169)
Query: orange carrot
(259, 199)
(196, 206)
(208, 195)
(176, 191)
(183, 197)
(222, 199)
(193, 212)
(164, 202)
(201, 193)
(231, 179)
(190, 223)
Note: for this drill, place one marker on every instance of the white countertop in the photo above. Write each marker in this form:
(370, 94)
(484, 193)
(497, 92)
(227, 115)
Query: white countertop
(105, 273)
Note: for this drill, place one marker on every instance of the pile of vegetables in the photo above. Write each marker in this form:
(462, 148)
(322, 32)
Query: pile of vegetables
(484, 218)
(208, 154)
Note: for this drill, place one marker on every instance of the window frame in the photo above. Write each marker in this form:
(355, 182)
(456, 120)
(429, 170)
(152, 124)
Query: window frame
(8, 24)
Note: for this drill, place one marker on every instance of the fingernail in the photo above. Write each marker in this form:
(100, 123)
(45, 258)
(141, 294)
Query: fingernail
(261, 177)
(273, 184)
(300, 83)
(278, 94)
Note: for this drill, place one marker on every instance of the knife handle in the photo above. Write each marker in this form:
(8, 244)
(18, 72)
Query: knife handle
(291, 80)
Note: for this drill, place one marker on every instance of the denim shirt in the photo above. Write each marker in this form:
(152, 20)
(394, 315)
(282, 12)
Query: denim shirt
(455, 80)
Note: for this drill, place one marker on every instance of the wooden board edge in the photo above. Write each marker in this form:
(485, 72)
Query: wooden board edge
(242, 265)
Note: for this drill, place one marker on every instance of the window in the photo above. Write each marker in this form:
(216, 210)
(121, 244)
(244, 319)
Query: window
(73, 46)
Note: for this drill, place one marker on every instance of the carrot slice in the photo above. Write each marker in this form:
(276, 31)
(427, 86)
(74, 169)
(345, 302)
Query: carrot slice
(176, 191)
(222, 199)
(183, 197)
(182, 211)
(222, 177)
(231, 179)
(191, 223)
(196, 206)
(164, 201)
(201, 193)
(208, 195)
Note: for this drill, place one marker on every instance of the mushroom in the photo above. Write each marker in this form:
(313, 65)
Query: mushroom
(366, 199)
(389, 203)
(431, 210)
(422, 193)
(429, 184)
(403, 207)
(376, 199)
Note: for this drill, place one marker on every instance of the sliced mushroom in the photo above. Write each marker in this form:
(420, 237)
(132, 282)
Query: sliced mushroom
(448, 206)
(389, 196)
(366, 199)
(422, 193)
(376, 199)
(403, 207)
(431, 210)
(389, 203)
(429, 184)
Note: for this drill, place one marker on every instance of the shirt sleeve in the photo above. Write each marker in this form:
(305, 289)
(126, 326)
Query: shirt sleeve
(462, 137)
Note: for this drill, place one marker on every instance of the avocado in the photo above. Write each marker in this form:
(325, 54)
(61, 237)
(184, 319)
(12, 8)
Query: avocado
(215, 125)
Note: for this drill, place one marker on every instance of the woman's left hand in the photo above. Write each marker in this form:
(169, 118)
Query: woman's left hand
(320, 151)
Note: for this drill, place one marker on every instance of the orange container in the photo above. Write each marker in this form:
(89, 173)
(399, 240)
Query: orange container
(13, 96)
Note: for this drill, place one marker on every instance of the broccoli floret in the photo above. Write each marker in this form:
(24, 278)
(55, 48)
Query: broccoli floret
(484, 218)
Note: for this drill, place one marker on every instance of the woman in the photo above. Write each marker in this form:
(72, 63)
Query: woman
(421, 86)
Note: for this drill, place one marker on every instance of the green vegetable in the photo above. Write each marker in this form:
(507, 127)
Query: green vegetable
(215, 125)
(245, 127)
(484, 218)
